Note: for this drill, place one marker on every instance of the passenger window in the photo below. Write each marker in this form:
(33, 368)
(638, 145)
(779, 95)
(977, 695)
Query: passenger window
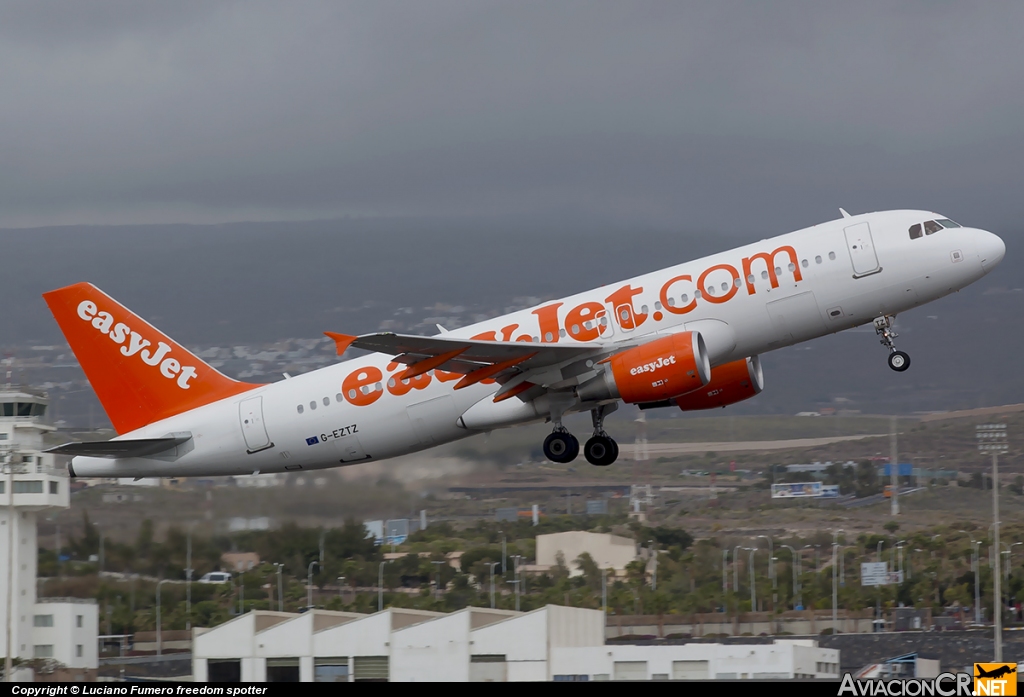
(931, 227)
(803, 263)
(831, 256)
(299, 408)
(817, 259)
(338, 398)
(312, 405)
(327, 401)
(915, 231)
(946, 222)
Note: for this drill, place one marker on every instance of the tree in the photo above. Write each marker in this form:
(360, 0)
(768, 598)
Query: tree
(591, 572)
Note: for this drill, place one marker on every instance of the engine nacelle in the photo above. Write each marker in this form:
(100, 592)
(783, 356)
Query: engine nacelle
(730, 383)
(668, 367)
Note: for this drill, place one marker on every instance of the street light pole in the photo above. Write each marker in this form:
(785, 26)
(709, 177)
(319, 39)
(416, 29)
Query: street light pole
(504, 569)
(977, 588)
(492, 565)
(159, 637)
(835, 587)
(771, 569)
(725, 573)
(188, 581)
(380, 587)
(280, 588)
(753, 584)
(736, 569)
(795, 569)
(309, 584)
(654, 576)
(992, 439)
(437, 588)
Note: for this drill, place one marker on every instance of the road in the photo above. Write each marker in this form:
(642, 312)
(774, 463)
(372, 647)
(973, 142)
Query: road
(657, 449)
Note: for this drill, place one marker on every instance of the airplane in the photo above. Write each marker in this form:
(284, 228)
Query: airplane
(1004, 669)
(688, 336)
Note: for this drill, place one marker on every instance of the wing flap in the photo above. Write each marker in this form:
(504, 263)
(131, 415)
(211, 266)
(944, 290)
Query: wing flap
(138, 447)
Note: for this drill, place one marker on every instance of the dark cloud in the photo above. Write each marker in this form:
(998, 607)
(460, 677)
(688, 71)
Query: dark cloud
(727, 115)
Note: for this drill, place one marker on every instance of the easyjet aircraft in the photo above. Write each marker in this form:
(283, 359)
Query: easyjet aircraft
(687, 337)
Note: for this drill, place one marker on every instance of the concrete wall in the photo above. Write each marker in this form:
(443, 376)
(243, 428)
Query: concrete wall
(808, 622)
(437, 650)
(523, 642)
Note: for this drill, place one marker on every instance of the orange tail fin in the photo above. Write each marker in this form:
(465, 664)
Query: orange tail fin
(139, 374)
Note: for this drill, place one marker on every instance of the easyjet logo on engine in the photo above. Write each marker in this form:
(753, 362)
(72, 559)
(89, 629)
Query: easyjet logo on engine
(651, 367)
(133, 344)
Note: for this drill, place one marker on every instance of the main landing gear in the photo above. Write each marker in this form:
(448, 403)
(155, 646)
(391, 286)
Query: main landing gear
(563, 447)
(898, 360)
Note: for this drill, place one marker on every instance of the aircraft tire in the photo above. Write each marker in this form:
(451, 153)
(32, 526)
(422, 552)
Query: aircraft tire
(561, 447)
(899, 361)
(601, 451)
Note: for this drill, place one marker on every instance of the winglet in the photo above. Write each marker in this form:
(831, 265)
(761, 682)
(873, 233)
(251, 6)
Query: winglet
(845, 214)
(342, 341)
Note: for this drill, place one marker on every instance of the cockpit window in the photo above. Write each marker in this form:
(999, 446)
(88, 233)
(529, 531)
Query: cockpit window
(931, 227)
(946, 222)
(915, 231)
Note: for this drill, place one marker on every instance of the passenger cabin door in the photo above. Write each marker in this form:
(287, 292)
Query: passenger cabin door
(862, 250)
(250, 417)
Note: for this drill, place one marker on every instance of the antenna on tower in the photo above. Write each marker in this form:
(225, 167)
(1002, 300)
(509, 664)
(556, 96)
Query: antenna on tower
(640, 492)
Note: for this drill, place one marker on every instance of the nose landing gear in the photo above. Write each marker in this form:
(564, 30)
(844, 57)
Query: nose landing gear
(898, 360)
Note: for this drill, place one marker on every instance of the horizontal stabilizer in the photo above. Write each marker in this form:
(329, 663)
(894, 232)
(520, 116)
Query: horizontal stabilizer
(139, 447)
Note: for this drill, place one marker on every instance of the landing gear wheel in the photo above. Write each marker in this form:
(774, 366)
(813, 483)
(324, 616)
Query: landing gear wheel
(899, 361)
(600, 451)
(561, 447)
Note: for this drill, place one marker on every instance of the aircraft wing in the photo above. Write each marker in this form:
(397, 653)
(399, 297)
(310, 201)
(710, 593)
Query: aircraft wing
(475, 359)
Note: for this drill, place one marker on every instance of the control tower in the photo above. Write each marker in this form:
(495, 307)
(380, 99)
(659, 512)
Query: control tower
(30, 484)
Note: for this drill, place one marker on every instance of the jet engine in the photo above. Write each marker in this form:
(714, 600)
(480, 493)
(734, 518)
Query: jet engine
(668, 367)
(730, 383)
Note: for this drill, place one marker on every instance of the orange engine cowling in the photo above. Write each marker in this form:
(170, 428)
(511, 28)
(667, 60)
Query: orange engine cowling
(730, 383)
(668, 367)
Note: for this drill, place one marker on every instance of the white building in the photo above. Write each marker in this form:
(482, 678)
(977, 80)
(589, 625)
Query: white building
(63, 630)
(608, 551)
(552, 643)
(785, 659)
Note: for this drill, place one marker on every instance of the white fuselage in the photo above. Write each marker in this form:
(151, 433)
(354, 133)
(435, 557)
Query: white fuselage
(839, 275)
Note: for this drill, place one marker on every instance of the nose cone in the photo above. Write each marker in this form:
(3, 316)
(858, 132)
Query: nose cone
(991, 250)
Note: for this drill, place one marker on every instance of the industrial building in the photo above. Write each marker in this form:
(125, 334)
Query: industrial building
(56, 630)
(607, 551)
(475, 645)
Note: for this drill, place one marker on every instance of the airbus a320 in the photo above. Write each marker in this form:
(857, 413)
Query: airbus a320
(685, 337)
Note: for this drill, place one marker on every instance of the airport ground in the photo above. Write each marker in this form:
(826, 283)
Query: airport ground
(461, 487)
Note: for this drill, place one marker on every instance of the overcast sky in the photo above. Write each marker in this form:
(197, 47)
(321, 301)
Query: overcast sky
(711, 115)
